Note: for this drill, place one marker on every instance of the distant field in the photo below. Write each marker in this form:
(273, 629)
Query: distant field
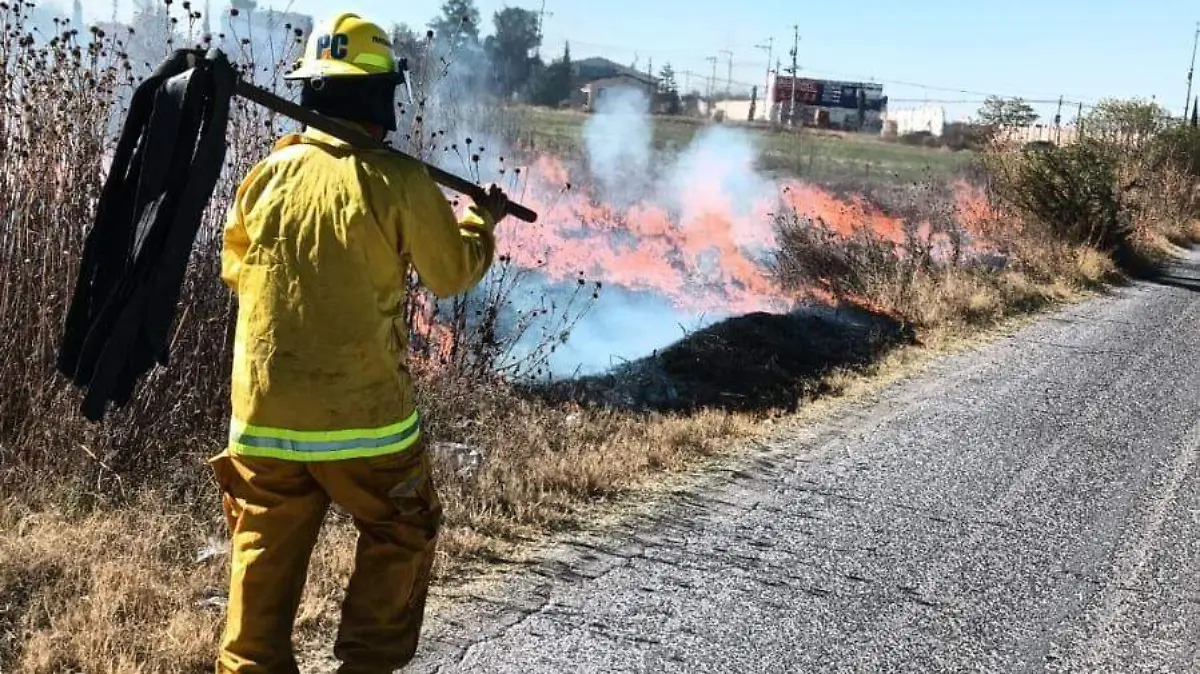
(820, 156)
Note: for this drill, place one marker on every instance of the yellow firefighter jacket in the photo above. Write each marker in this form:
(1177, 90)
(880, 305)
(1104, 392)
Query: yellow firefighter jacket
(317, 247)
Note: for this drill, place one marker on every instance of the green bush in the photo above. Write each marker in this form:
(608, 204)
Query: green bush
(1070, 191)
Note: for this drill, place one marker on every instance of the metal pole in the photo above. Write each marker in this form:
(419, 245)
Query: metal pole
(729, 82)
(1191, 71)
(767, 101)
(541, 34)
(712, 82)
(1058, 123)
(795, 69)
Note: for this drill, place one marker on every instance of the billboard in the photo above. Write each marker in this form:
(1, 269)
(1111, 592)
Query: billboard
(827, 93)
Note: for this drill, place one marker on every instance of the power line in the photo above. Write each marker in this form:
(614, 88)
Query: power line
(980, 101)
(820, 72)
(969, 92)
(744, 87)
(1088, 102)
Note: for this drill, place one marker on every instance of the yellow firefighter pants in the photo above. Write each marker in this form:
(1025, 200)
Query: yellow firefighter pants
(275, 510)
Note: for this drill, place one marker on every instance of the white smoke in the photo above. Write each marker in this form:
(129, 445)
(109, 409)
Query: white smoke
(618, 140)
(717, 166)
(723, 160)
(622, 168)
(624, 326)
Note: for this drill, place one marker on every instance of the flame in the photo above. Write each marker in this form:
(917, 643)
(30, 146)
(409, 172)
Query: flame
(707, 255)
(843, 217)
(702, 257)
(436, 338)
(978, 216)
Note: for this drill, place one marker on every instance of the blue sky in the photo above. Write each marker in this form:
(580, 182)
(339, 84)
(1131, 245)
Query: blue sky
(920, 49)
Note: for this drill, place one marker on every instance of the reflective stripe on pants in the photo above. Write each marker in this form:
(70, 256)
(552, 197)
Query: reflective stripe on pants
(275, 509)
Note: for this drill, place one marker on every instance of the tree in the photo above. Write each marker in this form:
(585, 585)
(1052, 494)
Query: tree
(554, 86)
(1006, 113)
(509, 50)
(458, 26)
(1127, 119)
(668, 91)
(1196, 114)
(862, 109)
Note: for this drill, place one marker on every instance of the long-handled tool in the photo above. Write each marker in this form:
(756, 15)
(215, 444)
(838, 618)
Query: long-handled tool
(353, 136)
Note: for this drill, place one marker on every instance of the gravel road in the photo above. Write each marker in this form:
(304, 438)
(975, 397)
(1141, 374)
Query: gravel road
(1030, 506)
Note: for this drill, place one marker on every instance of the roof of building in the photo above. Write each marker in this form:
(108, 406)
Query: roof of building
(640, 81)
(598, 68)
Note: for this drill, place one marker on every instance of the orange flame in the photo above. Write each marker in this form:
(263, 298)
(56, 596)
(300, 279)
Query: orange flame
(437, 338)
(707, 257)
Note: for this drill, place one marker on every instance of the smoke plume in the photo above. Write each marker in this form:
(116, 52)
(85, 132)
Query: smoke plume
(678, 239)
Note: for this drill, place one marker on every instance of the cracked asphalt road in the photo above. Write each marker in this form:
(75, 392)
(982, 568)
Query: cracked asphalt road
(1030, 506)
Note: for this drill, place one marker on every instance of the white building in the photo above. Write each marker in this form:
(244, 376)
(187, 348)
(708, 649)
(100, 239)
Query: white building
(595, 91)
(738, 110)
(925, 119)
(594, 76)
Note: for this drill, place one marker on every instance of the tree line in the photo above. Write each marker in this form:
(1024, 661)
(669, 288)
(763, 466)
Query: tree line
(1111, 118)
(507, 63)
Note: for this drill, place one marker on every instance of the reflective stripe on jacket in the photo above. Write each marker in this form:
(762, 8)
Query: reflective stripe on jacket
(248, 440)
(317, 247)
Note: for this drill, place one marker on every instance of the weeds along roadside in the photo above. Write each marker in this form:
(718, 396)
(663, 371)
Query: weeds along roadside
(100, 526)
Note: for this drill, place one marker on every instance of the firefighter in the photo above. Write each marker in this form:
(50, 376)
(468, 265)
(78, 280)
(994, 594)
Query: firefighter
(317, 247)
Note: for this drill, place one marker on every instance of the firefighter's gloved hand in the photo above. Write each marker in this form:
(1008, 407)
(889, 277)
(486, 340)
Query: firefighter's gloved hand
(495, 202)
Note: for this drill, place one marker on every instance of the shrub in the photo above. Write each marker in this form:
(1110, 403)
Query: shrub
(919, 138)
(963, 136)
(1071, 191)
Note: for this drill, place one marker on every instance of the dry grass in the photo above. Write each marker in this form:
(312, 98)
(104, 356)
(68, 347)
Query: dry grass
(111, 591)
(119, 589)
(547, 468)
(101, 526)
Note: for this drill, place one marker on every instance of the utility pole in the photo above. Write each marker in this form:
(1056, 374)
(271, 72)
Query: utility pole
(542, 13)
(1191, 70)
(794, 70)
(1079, 124)
(778, 70)
(769, 47)
(729, 82)
(1058, 123)
(711, 83)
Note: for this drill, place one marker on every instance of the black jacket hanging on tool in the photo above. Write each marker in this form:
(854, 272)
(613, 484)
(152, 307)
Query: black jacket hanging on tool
(163, 173)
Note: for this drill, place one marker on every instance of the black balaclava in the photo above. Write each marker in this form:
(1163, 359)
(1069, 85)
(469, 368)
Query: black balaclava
(355, 99)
